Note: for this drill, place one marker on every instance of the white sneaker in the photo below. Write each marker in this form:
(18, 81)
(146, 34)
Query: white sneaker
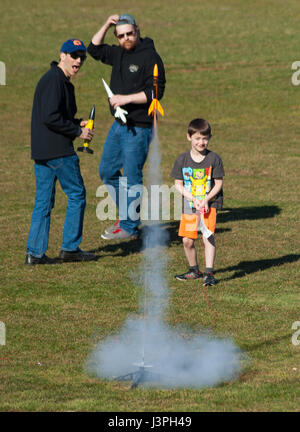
(118, 234)
(113, 227)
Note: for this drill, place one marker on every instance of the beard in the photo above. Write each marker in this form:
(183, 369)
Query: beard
(128, 45)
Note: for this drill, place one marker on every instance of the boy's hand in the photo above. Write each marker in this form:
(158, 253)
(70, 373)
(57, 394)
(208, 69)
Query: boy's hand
(201, 205)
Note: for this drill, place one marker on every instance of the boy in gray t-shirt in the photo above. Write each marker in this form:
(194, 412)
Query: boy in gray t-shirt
(198, 177)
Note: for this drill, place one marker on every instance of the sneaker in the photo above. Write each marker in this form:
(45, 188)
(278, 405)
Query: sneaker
(118, 234)
(189, 275)
(113, 227)
(32, 260)
(209, 279)
(75, 256)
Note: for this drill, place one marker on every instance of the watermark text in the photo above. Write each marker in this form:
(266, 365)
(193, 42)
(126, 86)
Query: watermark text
(295, 76)
(296, 335)
(157, 202)
(2, 73)
(2, 333)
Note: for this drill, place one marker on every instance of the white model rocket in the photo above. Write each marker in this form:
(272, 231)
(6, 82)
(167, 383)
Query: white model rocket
(203, 228)
(120, 112)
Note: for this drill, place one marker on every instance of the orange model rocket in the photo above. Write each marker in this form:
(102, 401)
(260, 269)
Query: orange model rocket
(155, 105)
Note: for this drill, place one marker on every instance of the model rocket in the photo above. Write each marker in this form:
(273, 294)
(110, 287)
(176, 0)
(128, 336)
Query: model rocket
(89, 125)
(120, 112)
(155, 105)
(202, 227)
(208, 182)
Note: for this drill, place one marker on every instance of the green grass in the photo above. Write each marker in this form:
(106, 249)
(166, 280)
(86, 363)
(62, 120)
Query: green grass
(227, 62)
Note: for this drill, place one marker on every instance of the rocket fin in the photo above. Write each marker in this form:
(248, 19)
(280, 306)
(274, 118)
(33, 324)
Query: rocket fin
(155, 105)
(151, 107)
(160, 109)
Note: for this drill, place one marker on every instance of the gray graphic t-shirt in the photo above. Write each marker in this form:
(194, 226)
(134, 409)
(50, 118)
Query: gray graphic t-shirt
(198, 178)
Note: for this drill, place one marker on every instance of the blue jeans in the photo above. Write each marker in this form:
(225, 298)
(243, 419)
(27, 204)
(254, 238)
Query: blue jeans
(67, 171)
(126, 148)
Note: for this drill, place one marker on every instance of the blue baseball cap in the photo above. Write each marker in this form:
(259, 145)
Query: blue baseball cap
(72, 45)
(126, 19)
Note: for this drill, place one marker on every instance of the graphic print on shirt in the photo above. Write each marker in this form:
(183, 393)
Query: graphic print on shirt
(133, 68)
(197, 181)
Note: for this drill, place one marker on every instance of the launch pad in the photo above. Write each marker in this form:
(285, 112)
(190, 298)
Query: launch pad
(140, 376)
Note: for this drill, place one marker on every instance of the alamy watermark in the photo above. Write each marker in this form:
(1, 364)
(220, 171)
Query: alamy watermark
(2, 73)
(157, 202)
(296, 326)
(2, 333)
(295, 77)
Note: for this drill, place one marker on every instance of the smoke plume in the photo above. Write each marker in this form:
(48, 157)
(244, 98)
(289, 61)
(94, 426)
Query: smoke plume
(170, 358)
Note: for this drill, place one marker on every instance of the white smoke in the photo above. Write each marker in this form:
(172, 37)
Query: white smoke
(172, 360)
(169, 358)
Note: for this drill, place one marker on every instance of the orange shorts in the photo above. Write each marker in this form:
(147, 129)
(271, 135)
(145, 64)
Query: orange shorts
(189, 223)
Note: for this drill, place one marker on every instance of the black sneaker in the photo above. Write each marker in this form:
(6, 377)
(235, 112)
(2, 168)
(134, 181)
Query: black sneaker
(209, 279)
(75, 256)
(189, 275)
(32, 260)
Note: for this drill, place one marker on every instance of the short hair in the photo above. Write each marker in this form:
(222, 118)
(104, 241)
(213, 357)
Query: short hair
(199, 125)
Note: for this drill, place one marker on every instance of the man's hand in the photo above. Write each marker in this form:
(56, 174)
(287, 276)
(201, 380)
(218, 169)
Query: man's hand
(135, 98)
(112, 20)
(98, 38)
(119, 100)
(86, 134)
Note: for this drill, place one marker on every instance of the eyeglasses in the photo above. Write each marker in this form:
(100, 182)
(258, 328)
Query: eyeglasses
(121, 36)
(77, 54)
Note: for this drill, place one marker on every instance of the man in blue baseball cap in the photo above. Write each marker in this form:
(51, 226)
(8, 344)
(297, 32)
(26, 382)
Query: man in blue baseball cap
(72, 56)
(53, 129)
(127, 145)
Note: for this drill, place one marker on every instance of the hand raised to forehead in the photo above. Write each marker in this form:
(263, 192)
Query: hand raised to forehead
(112, 20)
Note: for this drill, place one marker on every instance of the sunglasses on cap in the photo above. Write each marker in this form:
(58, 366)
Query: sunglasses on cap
(121, 36)
(77, 54)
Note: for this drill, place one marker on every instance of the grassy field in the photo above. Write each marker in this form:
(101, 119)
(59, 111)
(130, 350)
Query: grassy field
(225, 61)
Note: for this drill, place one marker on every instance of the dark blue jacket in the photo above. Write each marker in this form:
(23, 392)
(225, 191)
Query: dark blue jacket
(53, 123)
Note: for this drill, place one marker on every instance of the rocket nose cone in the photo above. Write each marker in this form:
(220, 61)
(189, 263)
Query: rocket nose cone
(155, 71)
(92, 114)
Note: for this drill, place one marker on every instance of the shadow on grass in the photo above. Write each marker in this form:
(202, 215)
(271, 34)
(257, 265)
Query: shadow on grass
(248, 213)
(244, 268)
(168, 236)
(120, 248)
(57, 260)
(265, 343)
(170, 230)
